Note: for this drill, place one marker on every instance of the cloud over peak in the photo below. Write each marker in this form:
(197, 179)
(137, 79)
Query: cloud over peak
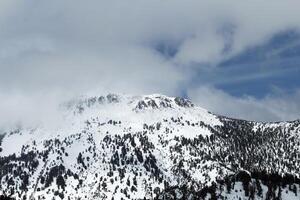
(128, 46)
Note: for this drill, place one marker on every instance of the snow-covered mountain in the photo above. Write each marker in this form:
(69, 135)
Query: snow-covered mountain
(150, 147)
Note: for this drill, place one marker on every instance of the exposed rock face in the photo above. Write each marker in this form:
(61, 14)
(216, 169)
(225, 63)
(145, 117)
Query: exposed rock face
(183, 102)
(153, 147)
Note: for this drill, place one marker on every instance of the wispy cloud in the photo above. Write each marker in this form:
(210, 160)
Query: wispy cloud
(278, 106)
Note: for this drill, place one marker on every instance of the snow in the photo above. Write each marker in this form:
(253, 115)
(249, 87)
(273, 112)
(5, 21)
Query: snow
(87, 129)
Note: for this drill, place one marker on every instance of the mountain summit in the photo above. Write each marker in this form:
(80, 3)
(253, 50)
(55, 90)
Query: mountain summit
(150, 147)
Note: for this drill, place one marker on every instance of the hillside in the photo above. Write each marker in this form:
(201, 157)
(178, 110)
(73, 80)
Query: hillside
(150, 147)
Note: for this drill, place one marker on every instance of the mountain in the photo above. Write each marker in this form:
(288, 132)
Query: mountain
(150, 147)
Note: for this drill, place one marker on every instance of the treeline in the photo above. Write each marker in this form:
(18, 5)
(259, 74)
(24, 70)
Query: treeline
(4, 197)
(252, 186)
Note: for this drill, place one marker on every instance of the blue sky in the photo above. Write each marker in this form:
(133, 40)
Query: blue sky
(257, 71)
(258, 82)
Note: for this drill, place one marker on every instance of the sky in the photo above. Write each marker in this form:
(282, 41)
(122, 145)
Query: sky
(235, 58)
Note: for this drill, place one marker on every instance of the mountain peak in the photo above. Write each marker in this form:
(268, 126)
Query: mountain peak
(143, 102)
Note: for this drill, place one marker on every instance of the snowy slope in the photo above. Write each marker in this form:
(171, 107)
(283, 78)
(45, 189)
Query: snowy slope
(136, 147)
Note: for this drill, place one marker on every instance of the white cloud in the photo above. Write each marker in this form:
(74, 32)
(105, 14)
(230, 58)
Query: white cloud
(277, 106)
(31, 109)
(79, 46)
(205, 48)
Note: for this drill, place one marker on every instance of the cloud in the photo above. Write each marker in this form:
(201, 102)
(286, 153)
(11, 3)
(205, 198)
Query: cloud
(277, 106)
(76, 47)
(205, 48)
(30, 110)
